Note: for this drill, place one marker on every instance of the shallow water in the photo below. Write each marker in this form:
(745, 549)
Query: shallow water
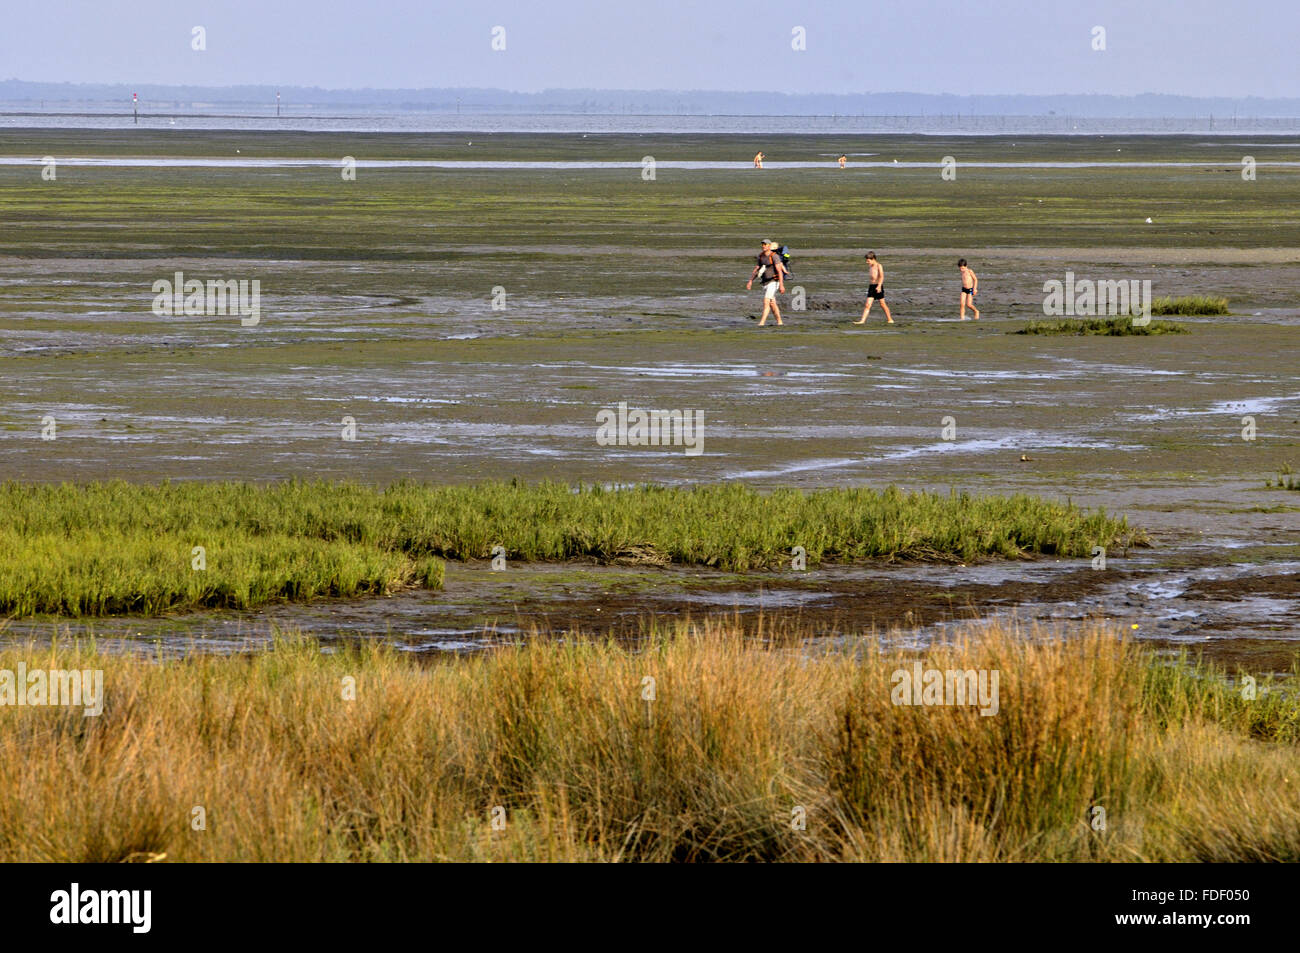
(481, 608)
(167, 162)
(303, 117)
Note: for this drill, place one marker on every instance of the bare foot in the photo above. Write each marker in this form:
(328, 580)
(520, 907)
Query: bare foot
(863, 321)
(890, 321)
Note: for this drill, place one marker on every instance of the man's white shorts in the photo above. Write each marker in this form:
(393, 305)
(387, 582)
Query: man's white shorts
(769, 290)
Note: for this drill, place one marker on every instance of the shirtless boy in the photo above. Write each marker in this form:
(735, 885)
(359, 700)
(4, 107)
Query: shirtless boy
(970, 284)
(875, 289)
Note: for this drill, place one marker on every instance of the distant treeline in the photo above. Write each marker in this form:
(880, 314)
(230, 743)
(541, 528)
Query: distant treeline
(711, 102)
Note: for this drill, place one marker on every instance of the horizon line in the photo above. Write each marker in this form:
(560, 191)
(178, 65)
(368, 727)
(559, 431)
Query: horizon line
(552, 90)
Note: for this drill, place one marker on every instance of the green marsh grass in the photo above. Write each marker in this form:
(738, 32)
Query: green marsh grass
(115, 547)
(740, 733)
(92, 572)
(1113, 327)
(1190, 305)
(1286, 479)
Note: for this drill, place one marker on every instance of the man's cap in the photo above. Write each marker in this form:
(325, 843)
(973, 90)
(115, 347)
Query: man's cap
(767, 241)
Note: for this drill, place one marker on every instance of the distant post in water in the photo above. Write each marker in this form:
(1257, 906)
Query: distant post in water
(277, 104)
(135, 107)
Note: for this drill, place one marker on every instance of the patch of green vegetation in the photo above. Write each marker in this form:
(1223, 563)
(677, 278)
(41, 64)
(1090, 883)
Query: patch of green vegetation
(1190, 305)
(150, 570)
(1102, 326)
(1260, 555)
(1191, 687)
(1286, 479)
(116, 547)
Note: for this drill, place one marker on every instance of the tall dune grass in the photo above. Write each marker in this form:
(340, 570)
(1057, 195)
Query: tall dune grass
(118, 547)
(742, 740)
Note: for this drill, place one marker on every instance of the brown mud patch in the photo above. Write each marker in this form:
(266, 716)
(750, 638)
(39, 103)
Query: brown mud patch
(1283, 586)
(1250, 619)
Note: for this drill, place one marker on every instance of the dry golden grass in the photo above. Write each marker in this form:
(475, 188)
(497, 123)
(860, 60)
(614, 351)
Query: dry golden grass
(740, 734)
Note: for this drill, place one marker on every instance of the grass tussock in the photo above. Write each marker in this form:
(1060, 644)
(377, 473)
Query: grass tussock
(1112, 327)
(747, 751)
(102, 548)
(1286, 479)
(1190, 305)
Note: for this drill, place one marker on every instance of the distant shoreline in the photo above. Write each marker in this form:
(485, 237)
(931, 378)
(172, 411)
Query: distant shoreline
(392, 120)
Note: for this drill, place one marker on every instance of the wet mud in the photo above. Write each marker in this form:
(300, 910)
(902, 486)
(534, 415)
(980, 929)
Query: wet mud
(378, 304)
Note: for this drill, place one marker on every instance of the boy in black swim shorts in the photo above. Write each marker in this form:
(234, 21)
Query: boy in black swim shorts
(875, 289)
(969, 286)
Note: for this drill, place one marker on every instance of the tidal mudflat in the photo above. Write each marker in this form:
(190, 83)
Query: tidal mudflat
(473, 322)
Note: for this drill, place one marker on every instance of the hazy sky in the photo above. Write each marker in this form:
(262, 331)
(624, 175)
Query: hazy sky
(1188, 47)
